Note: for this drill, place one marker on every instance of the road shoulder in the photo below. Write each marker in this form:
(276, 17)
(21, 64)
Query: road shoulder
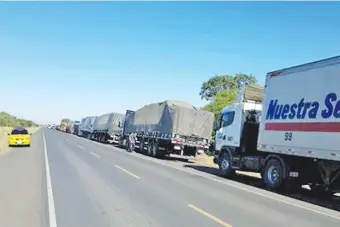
(23, 186)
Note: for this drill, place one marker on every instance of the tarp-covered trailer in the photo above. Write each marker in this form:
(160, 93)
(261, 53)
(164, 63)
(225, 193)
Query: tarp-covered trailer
(169, 127)
(106, 128)
(86, 126)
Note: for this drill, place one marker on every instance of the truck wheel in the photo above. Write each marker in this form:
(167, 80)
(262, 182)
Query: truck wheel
(141, 146)
(225, 164)
(154, 149)
(273, 174)
(149, 148)
(124, 142)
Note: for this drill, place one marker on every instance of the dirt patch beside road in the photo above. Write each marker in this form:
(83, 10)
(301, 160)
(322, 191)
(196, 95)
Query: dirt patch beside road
(4, 149)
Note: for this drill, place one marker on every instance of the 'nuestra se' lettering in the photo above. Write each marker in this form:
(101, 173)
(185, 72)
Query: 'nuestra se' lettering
(304, 109)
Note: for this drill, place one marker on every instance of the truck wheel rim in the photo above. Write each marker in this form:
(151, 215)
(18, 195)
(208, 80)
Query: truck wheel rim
(224, 164)
(273, 175)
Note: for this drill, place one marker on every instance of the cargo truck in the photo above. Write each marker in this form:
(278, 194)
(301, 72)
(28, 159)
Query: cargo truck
(70, 127)
(76, 128)
(63, 125)
(291, 134)
(170, 128)
(86, 126)
(106, 128)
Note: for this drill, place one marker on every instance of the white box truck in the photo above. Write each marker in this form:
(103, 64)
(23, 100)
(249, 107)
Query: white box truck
(291, 133)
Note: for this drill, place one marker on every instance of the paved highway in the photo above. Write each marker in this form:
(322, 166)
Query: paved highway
(89, 184)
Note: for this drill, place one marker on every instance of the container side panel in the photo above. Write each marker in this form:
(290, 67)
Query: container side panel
(301, 112)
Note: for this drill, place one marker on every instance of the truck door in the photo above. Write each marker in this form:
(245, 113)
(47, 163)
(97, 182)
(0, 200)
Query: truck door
(229, 132)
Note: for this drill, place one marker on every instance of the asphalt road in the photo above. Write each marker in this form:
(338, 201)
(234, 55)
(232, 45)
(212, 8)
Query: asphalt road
(100, 185)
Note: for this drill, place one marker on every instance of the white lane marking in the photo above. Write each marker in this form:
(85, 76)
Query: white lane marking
(225, 183)
(212, 217)
(51, 208)
(128, 172)
(95, 155)
(81, 147)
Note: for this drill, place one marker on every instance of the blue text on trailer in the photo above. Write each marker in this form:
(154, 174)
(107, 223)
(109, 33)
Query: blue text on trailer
(304, 109)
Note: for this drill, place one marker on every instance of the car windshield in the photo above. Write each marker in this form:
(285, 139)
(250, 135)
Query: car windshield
(19, 132)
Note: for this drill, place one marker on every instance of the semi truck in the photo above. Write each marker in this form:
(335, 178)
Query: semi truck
(168, 128)
(76, 128)
(288, 132)
(70, 127)
(63, 125)
(86, 126)
(107, 129)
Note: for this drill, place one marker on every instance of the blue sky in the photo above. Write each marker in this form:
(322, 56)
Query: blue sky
(78, 59)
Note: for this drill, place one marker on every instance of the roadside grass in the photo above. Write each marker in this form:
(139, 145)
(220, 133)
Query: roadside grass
(4, 148)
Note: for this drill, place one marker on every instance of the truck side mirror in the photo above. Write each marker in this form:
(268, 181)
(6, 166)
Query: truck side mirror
(219, 121)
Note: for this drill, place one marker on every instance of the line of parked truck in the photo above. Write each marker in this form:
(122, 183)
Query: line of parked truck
(288, 131)
(165, 128)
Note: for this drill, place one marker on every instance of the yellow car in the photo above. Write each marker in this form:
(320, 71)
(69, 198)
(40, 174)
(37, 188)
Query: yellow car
(19, 137)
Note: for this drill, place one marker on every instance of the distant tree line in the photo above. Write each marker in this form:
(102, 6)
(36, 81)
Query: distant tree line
(11, 121)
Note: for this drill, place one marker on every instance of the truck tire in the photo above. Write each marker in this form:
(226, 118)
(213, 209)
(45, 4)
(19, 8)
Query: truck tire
(273, 174)
(224, 164)
(149, 148)
(141, 146)
(154, 149)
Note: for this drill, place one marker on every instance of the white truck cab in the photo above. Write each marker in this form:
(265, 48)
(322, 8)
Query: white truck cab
(296, 141)
(247, 107)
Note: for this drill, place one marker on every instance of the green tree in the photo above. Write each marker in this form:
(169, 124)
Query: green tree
(219, 83)
(222, 99)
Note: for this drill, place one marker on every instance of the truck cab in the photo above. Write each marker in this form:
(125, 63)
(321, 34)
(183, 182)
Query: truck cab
(236, 137)
(233, 118)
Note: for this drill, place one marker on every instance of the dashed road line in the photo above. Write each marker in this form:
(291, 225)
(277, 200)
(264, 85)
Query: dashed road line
(95, 155)
(128, 172)
(212, 217)
(80, 147)
(51, 208)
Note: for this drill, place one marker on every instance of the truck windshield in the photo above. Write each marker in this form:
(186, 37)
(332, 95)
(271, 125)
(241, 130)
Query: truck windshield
(227, 118)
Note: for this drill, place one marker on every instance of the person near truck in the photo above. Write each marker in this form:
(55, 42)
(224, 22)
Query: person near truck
(132, 140)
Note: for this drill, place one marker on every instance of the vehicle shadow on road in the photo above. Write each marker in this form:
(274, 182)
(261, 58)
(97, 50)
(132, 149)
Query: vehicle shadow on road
(303, 195)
